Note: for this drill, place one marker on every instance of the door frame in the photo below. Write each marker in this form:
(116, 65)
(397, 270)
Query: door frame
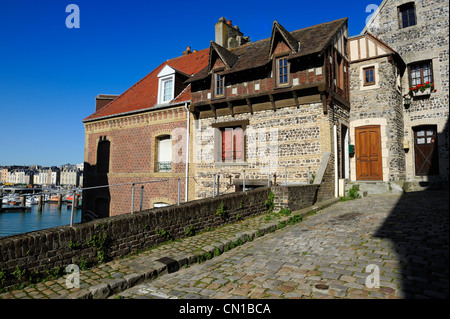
(357, 153)
(435, 158)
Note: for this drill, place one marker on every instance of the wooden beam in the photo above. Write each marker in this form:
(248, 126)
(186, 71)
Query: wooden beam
(213, 108)
(249, 104)
(294, 93)
(230, 107)
(272, 101)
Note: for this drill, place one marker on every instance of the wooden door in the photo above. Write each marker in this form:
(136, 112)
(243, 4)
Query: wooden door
(368, 153)
(425, 151)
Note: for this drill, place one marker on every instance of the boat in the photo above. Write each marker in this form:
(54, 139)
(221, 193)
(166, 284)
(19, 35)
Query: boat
(31, 200)
(54, 198)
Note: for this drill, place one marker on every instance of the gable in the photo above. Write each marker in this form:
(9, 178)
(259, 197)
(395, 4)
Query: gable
(367, 47)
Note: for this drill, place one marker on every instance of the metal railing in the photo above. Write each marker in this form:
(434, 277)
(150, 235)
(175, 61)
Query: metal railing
(164, 166)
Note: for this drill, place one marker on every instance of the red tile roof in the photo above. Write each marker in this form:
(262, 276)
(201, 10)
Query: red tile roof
(144, 94)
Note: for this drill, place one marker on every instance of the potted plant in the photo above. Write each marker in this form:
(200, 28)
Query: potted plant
(422, 89)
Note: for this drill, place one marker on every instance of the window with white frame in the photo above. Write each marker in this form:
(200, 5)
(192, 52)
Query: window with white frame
(164, 162)
(166, 85)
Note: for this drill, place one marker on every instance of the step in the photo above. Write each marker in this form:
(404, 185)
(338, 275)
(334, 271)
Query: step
(375, 187)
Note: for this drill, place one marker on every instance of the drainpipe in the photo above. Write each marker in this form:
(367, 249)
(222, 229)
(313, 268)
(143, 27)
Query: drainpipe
(336, 194)
(187, 151)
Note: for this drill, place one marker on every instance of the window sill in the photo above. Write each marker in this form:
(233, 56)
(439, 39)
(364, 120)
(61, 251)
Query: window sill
(221, 164)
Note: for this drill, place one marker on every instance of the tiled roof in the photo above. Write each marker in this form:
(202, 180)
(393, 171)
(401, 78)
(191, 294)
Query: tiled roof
(144, 94)
(256, 54)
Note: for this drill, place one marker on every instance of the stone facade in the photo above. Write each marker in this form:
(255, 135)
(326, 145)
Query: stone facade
(427, 40)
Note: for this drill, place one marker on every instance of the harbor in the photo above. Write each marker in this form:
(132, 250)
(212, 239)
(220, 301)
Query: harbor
(27, 210)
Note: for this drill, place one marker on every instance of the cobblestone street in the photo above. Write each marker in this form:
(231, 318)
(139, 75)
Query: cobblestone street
(327, 255)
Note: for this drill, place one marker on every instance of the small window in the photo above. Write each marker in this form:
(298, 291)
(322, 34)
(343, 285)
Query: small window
(282, 71)
(164, 163)
(369, 76)
(167, 87)
(407, 15)
(219, 81)
(232, 146)
(421, 73)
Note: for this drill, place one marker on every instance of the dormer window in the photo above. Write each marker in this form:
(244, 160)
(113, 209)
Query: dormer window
(166, 87)
(219, 82)
(282, 71)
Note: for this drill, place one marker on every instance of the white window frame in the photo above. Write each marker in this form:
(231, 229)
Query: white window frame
(166, 74)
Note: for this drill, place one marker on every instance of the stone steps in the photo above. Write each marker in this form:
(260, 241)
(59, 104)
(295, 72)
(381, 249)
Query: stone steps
(395, 187)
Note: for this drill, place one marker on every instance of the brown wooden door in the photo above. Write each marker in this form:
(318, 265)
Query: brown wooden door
(368, 153)
(425, 151)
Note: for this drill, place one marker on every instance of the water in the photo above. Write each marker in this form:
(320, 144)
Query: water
(23, 222)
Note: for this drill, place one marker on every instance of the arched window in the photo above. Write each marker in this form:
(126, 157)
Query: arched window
(164, 150)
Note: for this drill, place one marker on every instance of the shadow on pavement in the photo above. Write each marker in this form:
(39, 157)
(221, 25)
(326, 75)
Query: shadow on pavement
(418, 227)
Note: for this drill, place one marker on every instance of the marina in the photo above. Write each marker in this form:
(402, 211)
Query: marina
(22, 212)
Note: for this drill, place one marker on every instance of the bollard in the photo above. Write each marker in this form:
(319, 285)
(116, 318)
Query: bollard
(59, 200)
(40, 203)
(22, 201)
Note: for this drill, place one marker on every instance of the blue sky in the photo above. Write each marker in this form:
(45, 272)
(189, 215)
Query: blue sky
(50, 74)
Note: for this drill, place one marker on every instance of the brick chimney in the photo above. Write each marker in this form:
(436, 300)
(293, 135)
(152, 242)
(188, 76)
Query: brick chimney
(229, 36)
(102, 99)
(188, 50)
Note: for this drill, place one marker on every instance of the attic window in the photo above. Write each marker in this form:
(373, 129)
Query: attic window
(167, 89)
(282, 71)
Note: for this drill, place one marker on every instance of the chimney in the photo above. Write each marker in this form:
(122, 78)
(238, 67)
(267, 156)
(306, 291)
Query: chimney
(102, 99)
(188, 50)
(229, 36)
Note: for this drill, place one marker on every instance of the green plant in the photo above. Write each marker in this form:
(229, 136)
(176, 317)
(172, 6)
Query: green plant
(190, 231)
(269, 203)
(238, 217)
(311, 180)
(164, 234)
(83, 264)
(19, 273)
(73, 245)
(54, 273)
(216, 252)
(100, 241)
(207, 256)
(267, 218)
(351, 194)
(2, 275)
(295, 219)
(284, 211)
(221, 211)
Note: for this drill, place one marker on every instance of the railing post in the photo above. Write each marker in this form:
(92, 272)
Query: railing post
(72, 211)
(268, 178)
(132, 198)
(214, 185)
(142, 198)
(218, 184)
(179, 182)
(243, 182)
(285, 176)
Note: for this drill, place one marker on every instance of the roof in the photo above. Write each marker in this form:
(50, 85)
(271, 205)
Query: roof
(144, 94)
(312, 40)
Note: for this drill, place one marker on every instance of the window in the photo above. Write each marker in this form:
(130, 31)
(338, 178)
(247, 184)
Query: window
(167, 90)
(164, 162)
(282, 71)
(369, 76)
(421, 73)
(231, 148)
(219, 85)
(407, 15)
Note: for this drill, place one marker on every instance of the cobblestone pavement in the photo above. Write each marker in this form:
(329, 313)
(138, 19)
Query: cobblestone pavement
(324, 256)
(327, 256)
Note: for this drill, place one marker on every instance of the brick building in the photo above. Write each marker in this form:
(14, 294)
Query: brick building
(139, 136)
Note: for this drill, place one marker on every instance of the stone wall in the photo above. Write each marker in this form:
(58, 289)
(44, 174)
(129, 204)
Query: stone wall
(289, 137)
(45, 250)
(427, 40)
(380, 104)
